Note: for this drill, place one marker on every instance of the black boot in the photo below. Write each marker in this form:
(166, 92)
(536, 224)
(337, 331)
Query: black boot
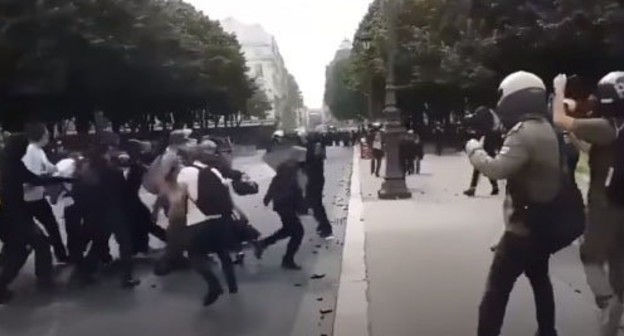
(61, 255)
(470, 192)
(259, 247)
(212, 296)
(289, 264)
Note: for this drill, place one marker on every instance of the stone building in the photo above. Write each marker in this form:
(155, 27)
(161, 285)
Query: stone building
(265, 63)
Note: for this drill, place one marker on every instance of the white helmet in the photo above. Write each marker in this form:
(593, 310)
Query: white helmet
(519, 81)
(521, 93)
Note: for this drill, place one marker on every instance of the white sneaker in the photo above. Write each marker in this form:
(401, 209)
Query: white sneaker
(610, 317)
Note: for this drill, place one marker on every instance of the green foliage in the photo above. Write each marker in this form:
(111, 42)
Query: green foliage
(343, 101)
(455, 51)
(131, 59)
(293, 102)
(258, 105)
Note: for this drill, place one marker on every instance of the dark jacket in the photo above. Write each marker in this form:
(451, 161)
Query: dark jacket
(493, 142)
(284, 190)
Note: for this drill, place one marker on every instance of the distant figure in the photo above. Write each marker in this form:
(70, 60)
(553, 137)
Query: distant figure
(420, 152)
(407, 153)
(492, 142)
(438, 134)
(376, 143)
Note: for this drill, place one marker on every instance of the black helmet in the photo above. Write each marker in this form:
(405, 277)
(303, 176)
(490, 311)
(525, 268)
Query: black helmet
(521, 93)
(610, 93)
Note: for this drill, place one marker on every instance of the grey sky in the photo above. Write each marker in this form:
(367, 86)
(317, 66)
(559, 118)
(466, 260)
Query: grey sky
(308, 32)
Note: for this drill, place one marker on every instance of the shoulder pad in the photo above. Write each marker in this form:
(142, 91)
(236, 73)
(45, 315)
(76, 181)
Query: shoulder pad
(516, 128)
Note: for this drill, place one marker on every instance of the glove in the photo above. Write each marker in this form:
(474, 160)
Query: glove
(472, 146)
(559, 84)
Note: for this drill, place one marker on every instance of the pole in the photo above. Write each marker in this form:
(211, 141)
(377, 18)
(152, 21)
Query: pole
(370, 98)
(394, 186)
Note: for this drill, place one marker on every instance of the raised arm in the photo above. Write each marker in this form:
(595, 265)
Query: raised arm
(512, 157)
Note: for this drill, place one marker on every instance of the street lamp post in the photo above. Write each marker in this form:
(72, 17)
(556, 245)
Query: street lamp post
(394, 186)
(365, 41)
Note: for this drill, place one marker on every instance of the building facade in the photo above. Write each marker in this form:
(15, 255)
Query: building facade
(264, 61)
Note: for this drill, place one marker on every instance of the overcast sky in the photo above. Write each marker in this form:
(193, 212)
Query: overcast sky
(308, 32)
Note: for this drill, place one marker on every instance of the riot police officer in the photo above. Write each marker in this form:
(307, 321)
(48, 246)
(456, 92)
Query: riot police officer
(530, 162)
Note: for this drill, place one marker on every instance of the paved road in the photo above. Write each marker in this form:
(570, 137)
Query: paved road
(427, 266)
(271, 301)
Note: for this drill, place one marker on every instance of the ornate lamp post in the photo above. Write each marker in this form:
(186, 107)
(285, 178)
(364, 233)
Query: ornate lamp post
(394, 186)
(366, 41)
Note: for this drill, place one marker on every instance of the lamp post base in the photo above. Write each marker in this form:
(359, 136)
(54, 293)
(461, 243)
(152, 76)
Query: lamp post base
(393, 189)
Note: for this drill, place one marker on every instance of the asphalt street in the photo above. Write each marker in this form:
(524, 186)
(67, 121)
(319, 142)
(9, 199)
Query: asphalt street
(270, 302)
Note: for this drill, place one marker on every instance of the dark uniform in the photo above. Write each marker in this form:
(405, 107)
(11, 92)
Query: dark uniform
(491, 144)
(529, 160)
(287, 198)
(315, 171)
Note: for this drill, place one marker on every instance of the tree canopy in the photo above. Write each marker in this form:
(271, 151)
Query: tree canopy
(134, 60)
(453, 53)
(344, 101)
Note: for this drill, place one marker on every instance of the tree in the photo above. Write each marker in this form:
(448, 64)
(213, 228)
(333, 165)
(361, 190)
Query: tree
(455, 52)
(343, 101)
(132, 59)
(293, 102)
(257, 106)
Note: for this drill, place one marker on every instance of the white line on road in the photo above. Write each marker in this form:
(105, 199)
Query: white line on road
(352, 305)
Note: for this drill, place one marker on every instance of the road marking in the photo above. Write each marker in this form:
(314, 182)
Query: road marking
(352, 304)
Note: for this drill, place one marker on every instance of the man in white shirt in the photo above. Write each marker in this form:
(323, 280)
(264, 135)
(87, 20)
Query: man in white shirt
(37, 162)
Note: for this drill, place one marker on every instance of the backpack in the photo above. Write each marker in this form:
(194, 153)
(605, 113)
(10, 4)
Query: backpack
(558, 223)
(615, 178)
(213, 194)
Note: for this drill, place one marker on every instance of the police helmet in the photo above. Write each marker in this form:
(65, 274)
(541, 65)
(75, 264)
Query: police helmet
(521, 93)
(610, 94)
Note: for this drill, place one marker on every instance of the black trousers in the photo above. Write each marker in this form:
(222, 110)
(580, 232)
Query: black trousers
(110, 223)
(74, 229)
(314, 195)
(291, 228)
(42, 212)
(376, 161)
(515, 256)
(213, 236)
(22, 237)
(475, 180)
(407, 165)
(142, 225)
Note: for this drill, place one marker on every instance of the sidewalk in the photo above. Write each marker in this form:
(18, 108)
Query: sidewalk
(426, 262)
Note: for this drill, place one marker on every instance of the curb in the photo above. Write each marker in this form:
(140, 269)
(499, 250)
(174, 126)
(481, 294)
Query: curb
(352, 303)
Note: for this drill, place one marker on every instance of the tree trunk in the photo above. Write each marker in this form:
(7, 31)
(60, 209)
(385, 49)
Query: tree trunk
(239, 120)
(216, 120)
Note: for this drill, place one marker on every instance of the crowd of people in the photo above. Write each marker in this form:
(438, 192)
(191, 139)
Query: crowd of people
(99, 191)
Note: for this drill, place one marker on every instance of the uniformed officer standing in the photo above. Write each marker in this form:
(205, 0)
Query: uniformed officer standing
(530, 162)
